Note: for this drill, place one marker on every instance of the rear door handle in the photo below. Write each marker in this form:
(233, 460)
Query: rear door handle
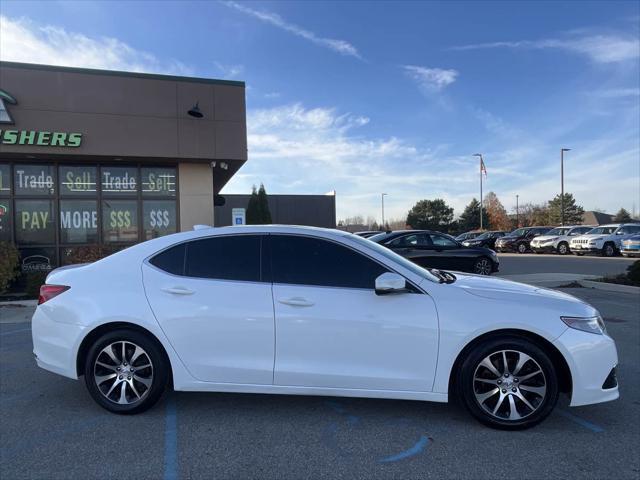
(178, 290)
(296, 302)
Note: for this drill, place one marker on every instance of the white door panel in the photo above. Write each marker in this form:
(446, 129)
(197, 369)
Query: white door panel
(222, 330)
(353, 338)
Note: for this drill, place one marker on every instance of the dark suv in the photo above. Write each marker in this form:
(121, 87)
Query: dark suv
(518, 240)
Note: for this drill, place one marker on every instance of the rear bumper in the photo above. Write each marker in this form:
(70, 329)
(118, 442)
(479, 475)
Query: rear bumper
(591, 358)
(55, 344)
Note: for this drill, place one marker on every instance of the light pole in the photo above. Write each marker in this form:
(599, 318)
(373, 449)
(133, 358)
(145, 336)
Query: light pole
(382, 197)
(517, 212)
(562, 150)
(481, 167)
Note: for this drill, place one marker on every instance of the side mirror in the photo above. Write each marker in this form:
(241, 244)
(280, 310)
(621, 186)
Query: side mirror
(390, 283)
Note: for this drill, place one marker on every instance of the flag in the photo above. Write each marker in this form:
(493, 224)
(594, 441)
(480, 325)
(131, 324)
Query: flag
(483, 169)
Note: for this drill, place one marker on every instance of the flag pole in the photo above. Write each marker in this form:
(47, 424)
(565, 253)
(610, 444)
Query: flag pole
(481, 163)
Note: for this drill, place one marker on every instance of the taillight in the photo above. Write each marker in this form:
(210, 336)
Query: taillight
(47, 292)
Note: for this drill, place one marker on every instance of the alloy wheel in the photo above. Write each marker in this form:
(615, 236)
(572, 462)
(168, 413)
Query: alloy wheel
(483, 267)
(562, 249)
(608, 250)
(123, 372)
(509, 385)
(522, 248)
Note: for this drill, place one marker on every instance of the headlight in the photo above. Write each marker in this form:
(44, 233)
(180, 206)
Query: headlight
(551, 239)
(586, 324)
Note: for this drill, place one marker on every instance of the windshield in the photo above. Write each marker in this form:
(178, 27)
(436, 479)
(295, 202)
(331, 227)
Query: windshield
(558, 231)
(602, 230)
(394, 257)
(517, 233)
(484, 236)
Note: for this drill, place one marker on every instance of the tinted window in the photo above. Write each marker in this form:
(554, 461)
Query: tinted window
(413, 240)
(225, 258)
(442, 241)
(629, 229)
(171, 260)
(312, 261)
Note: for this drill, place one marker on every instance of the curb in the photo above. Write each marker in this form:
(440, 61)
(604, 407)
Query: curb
(610, 287)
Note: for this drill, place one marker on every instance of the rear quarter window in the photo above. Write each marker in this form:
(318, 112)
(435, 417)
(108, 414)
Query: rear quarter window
(171, 260)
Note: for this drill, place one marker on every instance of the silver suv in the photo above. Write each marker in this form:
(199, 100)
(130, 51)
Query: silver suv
(557, 240)
(605, 240)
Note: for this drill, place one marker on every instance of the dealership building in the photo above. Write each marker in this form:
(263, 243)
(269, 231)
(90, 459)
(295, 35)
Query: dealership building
(103, 159)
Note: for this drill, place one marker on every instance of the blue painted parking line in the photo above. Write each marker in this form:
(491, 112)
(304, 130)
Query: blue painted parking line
(580, 421)
(415, 450)
(171, 441)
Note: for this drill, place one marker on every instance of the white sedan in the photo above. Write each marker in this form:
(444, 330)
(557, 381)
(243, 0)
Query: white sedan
(306, 311)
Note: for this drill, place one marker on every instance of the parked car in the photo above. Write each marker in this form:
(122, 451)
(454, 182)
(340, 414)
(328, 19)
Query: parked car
(486, 240)
(299, 310)
(438, 250)
(557, 240)
(631, 246)
(605, 240)
(468, 235)
(367, 233)
(519, 240)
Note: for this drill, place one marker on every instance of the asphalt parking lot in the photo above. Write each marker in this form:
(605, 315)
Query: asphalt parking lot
(531, 263)
(51, 429)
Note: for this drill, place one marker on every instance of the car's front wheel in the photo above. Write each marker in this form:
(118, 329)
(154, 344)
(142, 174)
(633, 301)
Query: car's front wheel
(508, 383)
(483, 266)
(522, 248)
(563, 248)
(608, 250)
(126, 371)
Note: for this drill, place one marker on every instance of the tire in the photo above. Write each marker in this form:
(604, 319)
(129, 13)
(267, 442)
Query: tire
(563, 248)
(539, 390)
(522, 248)
(143, 380)
(608, 250)
(483, 266)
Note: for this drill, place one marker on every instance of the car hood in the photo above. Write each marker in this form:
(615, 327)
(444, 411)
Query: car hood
(495, 288)
(595, 235)
(546, 237)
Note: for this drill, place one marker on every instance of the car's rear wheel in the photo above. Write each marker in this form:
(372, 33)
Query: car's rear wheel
(126, 371)
(522, 248)
(483, 266)
(608, 250)
(563, 248)
(508, 383)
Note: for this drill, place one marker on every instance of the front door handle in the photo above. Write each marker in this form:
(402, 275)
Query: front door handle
(296, 302)
(178, 290)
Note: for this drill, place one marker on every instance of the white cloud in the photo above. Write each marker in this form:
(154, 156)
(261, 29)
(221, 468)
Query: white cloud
(599, 48)
(431, 79)
(229, 71)
(23, 41)
(340, 46)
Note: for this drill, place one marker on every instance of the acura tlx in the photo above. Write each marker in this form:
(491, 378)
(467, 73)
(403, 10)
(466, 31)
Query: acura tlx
(307, 311)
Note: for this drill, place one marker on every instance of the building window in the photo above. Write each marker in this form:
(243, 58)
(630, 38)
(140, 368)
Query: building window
(119, 180)
(78, 221)
(34, 180)
(78, 181)
(34, 222)
(159, 218)
(63, 213)
(119, 221)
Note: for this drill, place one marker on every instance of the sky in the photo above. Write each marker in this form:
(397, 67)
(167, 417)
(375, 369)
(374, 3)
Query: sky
(364, 98)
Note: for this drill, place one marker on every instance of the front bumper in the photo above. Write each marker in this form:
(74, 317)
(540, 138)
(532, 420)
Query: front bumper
(591, 358)
(55, 344)
(581, 248)
(546, 248)
(630, 251)
(506, 247)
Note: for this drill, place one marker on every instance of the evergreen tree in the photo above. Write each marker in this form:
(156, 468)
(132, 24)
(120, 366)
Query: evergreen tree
(253, 214)
(431, 215)
(573, 213)
(622, 216)
(263, 206)
(470, 218)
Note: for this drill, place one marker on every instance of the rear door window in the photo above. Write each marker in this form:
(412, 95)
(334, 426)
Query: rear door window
(229, 257)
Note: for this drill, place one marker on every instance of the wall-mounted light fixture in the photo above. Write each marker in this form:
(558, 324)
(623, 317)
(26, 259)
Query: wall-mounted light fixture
(195, 111)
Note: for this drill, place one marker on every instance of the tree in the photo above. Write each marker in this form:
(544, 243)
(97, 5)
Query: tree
(263, 206)
(470, 218)
(572, 213)
(532, 214)
(431, 215)
(622, 216)
(498, 218)
(253, 214)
